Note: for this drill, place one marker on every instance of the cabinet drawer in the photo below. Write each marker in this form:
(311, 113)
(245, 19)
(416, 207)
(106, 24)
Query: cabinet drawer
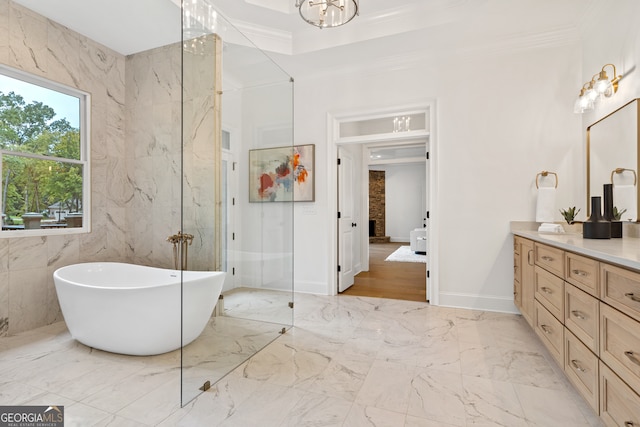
(551, 259)
(582, 272)
(550, 331)
(581, 316)
(581, 366)
(620, 344)
(620, 288)
(619, 405)
(549, 290)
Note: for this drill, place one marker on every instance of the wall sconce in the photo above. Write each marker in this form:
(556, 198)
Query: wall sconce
(595, 89)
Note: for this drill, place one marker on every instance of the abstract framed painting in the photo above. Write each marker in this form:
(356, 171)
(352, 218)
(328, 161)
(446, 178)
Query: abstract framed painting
(282, 174)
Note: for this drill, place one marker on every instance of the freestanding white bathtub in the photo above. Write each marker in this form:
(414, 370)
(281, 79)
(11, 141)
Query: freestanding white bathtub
(134, 309)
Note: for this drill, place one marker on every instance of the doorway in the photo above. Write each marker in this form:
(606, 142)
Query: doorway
(378, 128)
(394, 189)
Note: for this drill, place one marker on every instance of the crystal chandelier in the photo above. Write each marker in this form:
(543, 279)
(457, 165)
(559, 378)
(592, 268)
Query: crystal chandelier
(199, 21)
(327, 13)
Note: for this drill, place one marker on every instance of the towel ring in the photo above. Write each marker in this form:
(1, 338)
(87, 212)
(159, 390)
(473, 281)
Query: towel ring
(620, 170)
(545, 173)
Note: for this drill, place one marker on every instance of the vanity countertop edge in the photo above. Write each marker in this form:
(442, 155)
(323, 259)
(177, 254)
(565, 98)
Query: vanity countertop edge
(624, 251)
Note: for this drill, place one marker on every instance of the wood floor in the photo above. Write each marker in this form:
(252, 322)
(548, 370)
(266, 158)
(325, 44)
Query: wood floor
(395, 280)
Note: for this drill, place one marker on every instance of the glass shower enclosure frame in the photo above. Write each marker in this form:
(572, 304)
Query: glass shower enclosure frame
(230, 85)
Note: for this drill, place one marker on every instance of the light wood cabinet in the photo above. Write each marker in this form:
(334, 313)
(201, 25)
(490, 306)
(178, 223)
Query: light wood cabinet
(582, 316)
(549, 291)
(549, 258)
(582, 272)
(619, 405)
(621, 289)
(550, 331)
(586, 311)
(620, 345)
(524, 276)
(581, 366)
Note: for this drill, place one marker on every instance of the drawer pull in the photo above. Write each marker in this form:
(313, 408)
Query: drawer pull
(631, 356)
(547, 330)
(632, 297)
(576, 365)
(578, 314)
(546, 258)
(580, 273)
(546, 290)
(629, 424)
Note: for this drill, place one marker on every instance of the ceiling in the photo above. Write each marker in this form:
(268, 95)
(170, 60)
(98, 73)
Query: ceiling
(386, 33)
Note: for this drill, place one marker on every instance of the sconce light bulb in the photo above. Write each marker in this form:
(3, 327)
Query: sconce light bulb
(591, 94)
(582, 104)
(603, 86)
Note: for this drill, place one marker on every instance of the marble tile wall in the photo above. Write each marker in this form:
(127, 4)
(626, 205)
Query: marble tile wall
(153, 112)
(154, 109)
(42, 47)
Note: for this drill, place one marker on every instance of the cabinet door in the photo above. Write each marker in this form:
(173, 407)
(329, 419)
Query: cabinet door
(527, 286)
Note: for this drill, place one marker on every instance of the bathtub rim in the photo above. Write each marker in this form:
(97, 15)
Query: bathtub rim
(179, 275)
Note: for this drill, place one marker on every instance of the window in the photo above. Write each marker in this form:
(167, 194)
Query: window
(44, 148)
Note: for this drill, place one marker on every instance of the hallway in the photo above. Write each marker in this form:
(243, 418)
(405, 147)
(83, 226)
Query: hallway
(394, 280)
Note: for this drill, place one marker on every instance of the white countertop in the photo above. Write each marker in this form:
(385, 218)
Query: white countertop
(624, 251)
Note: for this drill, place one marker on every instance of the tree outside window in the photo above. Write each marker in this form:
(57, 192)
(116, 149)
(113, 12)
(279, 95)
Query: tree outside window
(43, 168)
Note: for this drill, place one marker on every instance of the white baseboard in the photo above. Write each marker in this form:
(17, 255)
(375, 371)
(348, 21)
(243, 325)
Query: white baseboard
(399, 240)
(478, 302)
(316, 288)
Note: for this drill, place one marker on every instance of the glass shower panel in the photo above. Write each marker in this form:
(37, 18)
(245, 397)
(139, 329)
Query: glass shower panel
(228, 82)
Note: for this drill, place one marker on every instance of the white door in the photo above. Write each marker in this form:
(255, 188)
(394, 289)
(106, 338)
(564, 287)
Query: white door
(346, 220)
(427, 215)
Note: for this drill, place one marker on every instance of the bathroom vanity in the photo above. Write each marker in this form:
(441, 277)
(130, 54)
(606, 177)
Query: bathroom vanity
(582, 298)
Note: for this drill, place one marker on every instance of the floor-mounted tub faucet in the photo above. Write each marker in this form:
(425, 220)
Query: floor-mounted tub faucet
(184, 240)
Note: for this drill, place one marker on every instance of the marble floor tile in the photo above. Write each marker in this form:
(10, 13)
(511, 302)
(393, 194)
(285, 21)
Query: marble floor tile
(492, 403)
(216, 405)
(546, 407)
(317, 410)
(482, 360)
(439, 396)
(343, 378)
(387, 386)
(286, 366)
(348, 361)
(80, 415)
(370, 416)
(267, 406)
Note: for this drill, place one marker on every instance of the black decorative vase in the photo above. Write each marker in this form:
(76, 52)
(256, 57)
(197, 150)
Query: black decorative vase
(596, 227)
(616, 226)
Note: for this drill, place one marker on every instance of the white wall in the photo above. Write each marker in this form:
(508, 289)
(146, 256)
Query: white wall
(501, 119)
(613, 36)
(405, 204)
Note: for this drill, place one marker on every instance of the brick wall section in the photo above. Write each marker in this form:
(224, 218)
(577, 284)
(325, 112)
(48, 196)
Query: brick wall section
(377, 201)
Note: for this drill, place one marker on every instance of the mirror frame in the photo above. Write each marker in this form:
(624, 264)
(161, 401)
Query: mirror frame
(637, 101)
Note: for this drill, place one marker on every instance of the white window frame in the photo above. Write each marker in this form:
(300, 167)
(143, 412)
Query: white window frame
(85, 150)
